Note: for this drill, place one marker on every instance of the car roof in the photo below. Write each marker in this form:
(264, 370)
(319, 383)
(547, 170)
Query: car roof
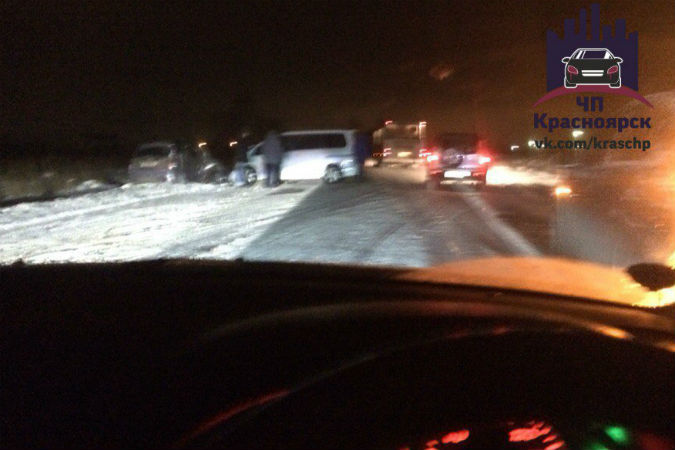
(597, 49)
(305, 132)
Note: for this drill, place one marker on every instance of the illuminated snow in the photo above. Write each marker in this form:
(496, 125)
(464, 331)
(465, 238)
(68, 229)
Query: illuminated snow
(142, 222)
(501, 175)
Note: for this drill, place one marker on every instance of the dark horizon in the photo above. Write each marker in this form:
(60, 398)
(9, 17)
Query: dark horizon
(141, 71)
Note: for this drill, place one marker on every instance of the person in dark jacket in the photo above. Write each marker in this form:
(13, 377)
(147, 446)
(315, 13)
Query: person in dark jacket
(240, 149)
(241, 146)
(272, 155)
(361, 152)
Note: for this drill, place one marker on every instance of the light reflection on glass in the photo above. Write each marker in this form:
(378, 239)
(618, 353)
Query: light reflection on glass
(455, 437)
(530, 433)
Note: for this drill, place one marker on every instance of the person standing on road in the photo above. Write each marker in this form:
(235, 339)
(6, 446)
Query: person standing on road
(272, 155)
(360, 152)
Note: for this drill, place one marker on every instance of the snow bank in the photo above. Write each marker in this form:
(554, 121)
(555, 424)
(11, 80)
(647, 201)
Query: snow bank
(143, 222)
(89, 185)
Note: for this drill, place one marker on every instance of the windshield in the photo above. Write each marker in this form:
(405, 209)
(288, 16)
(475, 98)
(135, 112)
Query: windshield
(461, 142)
(153, 151)
(386, 134)
(594, 54)
(313, 141)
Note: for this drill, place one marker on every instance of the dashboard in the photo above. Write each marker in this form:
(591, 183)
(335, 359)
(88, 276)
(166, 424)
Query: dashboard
(195, 355)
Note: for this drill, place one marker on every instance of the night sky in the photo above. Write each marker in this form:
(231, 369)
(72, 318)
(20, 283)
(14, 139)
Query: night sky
(141, 70)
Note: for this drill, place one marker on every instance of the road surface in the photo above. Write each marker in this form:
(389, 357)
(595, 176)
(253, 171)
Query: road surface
(388, 219)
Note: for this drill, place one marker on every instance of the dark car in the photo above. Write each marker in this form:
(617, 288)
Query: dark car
(174, 162)
(592, 66)
(455, 157)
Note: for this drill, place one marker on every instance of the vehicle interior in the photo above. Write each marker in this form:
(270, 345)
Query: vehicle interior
(306, 356)
(337, 224)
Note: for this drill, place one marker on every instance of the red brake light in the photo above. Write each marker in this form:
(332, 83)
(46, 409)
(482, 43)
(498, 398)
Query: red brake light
(613, 69)
(456, 437)
(573, 70)
(423, 153)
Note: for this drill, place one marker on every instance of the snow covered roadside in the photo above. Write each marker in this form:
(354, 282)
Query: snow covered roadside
(143, 222)
(500, 174)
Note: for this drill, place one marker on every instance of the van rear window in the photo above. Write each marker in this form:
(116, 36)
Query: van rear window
(463, 142)
(313, 141)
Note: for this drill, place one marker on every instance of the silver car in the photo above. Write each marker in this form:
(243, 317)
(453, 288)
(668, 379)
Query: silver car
(455, 157)
(157, 161)
(174, 163)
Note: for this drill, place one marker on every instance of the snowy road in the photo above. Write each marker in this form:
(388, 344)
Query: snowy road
(386, 220)
(144, 222)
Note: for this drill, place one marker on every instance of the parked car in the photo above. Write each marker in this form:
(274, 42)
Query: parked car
(174, 162)
(312, 155)
(243, 174)
(455, 157)
(592, 66)
(205, 168)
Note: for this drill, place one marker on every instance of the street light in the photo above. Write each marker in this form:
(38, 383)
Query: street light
(531, 143)
(577, 133)
(515, 147)
(202, 144)
(233, 143)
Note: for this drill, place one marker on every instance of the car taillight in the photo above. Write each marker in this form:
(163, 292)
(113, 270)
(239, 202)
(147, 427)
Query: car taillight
(484, 159)
(573, 70)
(613, 69)
(423, 153)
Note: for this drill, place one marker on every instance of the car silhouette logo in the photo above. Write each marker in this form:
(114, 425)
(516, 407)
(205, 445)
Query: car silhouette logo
(592, 66)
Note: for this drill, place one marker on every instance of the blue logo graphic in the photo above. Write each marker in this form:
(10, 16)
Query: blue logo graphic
(596, 59)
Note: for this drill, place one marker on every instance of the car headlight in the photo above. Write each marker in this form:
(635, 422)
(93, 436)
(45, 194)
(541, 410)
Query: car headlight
(347, 163)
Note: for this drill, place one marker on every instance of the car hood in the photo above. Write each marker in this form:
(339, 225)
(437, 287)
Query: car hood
(546, 275)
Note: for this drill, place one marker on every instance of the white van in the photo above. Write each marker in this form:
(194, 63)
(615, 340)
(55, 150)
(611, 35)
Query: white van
(312, 155)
